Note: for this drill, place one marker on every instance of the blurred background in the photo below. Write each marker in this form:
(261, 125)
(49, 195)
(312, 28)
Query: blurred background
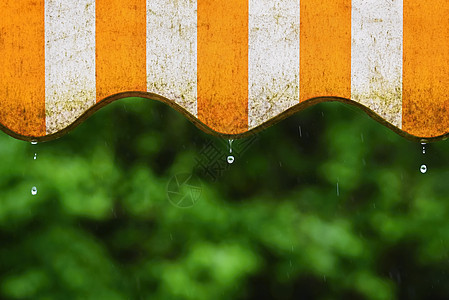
(137, 203)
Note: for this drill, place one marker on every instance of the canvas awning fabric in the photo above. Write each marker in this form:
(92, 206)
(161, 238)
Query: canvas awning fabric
(231, 67)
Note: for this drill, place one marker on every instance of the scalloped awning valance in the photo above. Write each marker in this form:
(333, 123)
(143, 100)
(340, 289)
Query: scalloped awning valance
(230, 66)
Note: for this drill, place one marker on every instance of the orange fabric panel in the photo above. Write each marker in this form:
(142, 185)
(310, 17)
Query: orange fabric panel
(120, 46)
(22, 66)
(325, 48)
(425, 105)
(223, 64)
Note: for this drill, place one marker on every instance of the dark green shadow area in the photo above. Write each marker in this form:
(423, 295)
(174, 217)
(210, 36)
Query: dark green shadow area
(137, 203)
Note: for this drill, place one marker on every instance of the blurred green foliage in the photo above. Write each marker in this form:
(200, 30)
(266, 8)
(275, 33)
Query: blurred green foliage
(326, 204)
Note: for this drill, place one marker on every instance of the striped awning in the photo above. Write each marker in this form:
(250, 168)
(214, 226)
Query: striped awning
(230, 66)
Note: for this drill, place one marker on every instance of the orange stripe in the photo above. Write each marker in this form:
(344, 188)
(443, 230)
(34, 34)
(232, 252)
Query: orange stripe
(325, 48)
(120, 46)
(223, 64)
(22, 66)
(425, 105)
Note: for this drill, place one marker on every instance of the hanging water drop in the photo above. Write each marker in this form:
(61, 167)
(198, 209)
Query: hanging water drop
(33, 142)
(423, 169)
(33, 190)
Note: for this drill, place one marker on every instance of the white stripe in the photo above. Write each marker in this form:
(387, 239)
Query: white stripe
(273, 58)
(69, 61)
(376, 58)
(172, 51)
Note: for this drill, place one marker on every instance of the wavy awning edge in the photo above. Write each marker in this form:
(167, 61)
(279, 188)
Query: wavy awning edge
(285, 114)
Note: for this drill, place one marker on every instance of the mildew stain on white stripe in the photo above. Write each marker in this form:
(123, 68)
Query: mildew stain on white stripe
(376, 58)
(273, 58)
(69, 61)
(172, 51)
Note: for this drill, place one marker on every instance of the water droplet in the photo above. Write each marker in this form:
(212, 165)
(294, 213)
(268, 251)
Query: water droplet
(33, 190)
(35, 156)
(423, 148)
(230, 158)
(33, 142)
(300, 131)
(423, 169)
(230, 145)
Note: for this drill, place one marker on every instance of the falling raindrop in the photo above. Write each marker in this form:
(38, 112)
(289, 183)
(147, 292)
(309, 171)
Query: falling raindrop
(230, 159)
(230, 145)
(300, 131)
(338, 190)
(34, 189)
(423, 169)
